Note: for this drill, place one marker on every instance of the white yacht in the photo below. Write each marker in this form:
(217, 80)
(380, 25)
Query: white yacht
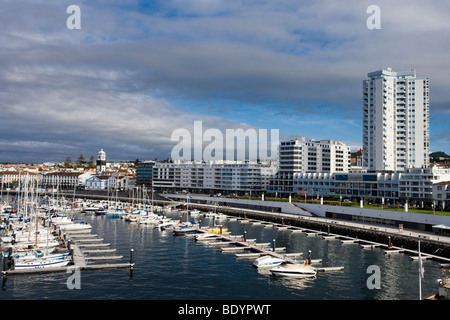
(267, 261)
(294, 270)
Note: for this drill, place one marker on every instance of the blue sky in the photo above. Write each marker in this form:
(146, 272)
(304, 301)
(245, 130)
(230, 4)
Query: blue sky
(138, 70)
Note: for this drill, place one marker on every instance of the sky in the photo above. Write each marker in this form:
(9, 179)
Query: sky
(138, 70)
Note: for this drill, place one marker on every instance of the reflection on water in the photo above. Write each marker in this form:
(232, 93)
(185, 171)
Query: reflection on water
(169, 267)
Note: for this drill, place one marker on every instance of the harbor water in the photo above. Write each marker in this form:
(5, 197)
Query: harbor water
(172, 267)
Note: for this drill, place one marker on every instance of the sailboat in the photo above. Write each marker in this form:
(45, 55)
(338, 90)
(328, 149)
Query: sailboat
(32, 254)
(185, 228)
(45, 261)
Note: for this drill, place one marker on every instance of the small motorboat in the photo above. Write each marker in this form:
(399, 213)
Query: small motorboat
(184, 230)
(205, 236)
(194, 212)
(294, 270)
(100, 212)
(217, 229)
(267, 261)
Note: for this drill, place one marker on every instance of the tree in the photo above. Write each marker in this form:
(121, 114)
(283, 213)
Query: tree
(68, 162)
(91, 163)
(81, 161)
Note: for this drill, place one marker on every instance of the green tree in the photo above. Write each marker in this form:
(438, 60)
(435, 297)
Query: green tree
(68, 162)
(91, 163)
(81, 161)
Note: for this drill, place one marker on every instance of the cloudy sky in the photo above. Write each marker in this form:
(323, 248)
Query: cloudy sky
(138, 70)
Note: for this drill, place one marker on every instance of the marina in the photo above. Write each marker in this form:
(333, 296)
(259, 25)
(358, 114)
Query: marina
(331, 257)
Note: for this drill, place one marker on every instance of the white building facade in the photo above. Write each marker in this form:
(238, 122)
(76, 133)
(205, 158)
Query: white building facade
(419, 183)
(303, 155)
(395, 120)
(212, 177)
(65, 180)
(383, 186)
(441, 194)
(9, 178)
(101, 183)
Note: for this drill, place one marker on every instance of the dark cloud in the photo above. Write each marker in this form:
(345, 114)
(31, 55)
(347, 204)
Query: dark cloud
(134, 72)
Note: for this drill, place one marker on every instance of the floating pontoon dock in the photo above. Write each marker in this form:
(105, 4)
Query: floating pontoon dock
(82, 246)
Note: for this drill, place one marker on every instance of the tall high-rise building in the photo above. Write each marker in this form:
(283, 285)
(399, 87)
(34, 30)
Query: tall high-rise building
(395, 121)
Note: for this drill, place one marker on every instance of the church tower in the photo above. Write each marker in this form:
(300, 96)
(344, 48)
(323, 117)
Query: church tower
(101, 162)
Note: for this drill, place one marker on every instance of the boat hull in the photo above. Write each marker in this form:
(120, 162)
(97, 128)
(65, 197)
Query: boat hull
(293, 272)
(180, 231)
(267, 262)
(46, 263)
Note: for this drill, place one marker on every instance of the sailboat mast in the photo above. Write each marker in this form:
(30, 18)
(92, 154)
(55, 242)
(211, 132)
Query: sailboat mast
(420, 273)
(37, 218)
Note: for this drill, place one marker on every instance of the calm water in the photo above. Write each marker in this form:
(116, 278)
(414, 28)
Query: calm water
(177, 268)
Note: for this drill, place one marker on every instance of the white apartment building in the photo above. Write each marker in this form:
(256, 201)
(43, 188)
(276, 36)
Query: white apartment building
(418, 183)
(419, 186)
(65, 180)
(441, 194)
(10, 178)
(217, 177)
(303, 155)
(395, 121)
(350, 185)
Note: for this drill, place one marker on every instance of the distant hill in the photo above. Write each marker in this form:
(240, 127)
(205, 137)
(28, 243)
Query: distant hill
(439, 156)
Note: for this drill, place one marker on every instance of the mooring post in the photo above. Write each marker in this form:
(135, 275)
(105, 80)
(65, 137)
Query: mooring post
(245, 236)
(309, 257)
(273, 245)
(328, 229)
(10, 258)
(131, 259)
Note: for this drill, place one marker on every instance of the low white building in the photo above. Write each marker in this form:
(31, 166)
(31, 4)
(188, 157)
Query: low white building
(360, 184)
(420, 186)
(65, 180)
(8, 178)
(441, 194)
(417, 183)
(101, 182)
(215, 177)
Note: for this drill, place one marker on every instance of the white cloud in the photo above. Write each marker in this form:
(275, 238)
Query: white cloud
(130, 77)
